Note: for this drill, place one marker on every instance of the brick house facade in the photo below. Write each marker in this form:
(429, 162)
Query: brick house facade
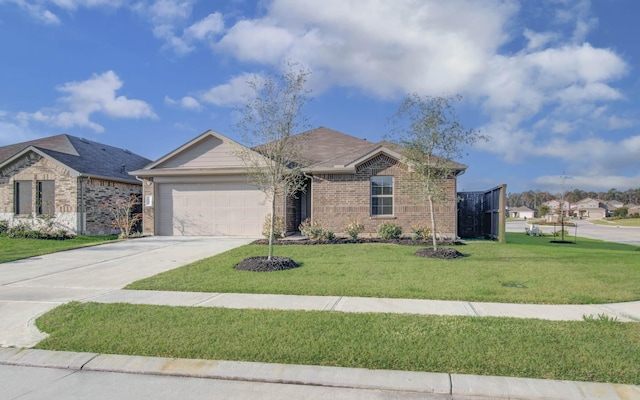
(187, 191)
(65, 181)
(338, 198)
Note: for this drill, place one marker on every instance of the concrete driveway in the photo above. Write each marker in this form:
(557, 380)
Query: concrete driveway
(626, 235)
(31, 287)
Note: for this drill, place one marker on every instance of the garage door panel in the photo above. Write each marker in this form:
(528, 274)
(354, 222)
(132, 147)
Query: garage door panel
(202, 209)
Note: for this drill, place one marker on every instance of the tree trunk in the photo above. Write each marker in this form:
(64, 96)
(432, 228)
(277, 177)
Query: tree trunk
(433, 224)
(272, 224)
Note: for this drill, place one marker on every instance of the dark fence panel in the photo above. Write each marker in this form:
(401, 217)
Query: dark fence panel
(479, 214)
(470, 214)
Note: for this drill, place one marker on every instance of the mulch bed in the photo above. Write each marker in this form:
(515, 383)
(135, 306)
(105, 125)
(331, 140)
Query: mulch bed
(403, 241)
(441, 253)
(263, 264)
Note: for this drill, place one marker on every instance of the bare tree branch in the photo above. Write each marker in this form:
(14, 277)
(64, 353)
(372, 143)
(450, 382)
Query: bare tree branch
(431, 135)
(268, 120)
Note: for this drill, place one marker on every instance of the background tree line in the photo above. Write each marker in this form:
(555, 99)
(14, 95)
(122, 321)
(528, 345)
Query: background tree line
(535, 198)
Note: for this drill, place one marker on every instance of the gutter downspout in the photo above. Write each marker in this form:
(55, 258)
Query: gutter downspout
(81, 217)
(309, 193)
(143, 205)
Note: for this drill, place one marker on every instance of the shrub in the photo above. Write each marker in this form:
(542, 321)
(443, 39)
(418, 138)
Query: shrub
(314, 230)
(421, 232)
(125, 213)
(4, 227)
(278, 227)
(559, 233)
(26, 231)
(389, 230)
(354, 227)
(621, 212)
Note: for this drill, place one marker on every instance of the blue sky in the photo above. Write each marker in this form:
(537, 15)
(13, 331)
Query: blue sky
(553, 83)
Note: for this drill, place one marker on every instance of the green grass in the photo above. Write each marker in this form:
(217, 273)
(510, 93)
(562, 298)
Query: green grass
(16, 249)
(619, 222)
(526, 270)
(594, 350)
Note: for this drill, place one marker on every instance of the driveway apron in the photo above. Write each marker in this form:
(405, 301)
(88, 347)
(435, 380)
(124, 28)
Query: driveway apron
(31, 287)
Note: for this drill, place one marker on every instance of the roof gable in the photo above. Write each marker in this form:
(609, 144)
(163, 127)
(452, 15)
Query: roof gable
(211, 150)
(208, 153)
(325, 150)
(81, 156)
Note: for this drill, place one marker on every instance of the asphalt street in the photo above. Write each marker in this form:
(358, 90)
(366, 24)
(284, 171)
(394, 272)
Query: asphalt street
(626, 235)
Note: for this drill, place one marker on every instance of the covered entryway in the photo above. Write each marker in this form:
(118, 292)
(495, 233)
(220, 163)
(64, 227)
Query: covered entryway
(211, 208)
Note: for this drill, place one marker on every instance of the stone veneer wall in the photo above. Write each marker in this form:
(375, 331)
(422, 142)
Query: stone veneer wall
(68, 195)
(33, 167)
(97, 192)
(339, 197)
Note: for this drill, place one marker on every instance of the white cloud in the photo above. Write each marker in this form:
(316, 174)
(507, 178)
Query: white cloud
(41, 10)
(203, 29)
(256, 41)
(538, 40)
(83, 99)
(231, 93)
(615, 122)
(170, 20)
(163, 11)
(36, 11)
(187, 102)
(381, 47)
(599, 182)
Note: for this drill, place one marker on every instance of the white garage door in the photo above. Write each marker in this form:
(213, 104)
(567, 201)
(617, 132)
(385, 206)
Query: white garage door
(206, 209)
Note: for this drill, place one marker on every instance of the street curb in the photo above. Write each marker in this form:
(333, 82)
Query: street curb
(340, 377)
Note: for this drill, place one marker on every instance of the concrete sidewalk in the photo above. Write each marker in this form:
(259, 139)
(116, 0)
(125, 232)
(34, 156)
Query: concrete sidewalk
(94, 377)
(624, 312)
(31, 287)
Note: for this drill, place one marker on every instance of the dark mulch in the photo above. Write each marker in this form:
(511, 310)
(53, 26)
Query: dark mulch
(263, 264)
(562, 241)
(442, 253)
(404, 241)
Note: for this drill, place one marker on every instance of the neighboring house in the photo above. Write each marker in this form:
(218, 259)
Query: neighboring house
(555, 205)
(633, 209)
(612, 206)
(202, 188)
(521, 212)
(591, 209)
(66, 179)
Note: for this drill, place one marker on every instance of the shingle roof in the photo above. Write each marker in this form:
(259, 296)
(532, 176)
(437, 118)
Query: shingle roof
(84, 156)
(325, 148)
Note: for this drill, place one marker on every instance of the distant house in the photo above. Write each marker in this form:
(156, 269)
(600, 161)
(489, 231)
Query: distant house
(613, 204)
(67, 179)
(555, 205)
(201, 188)
(521, 212)
(591, 209)
(634, 209)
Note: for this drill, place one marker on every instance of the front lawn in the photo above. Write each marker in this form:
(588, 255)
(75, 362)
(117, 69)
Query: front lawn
(619, 222)
(525, 270)
(15, 249)
(596, 350)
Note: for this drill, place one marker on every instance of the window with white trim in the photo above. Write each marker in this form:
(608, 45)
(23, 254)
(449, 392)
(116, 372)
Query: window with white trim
(381, 195)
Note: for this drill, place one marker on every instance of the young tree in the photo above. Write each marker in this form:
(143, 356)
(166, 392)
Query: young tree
(431, 135)
(543, 210)
(268, 120)
(124, 212)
